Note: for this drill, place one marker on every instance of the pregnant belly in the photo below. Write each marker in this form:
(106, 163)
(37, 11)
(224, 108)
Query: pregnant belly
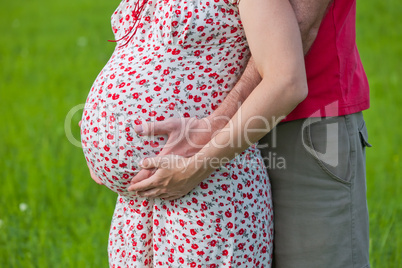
(140, 85)
(111, 146)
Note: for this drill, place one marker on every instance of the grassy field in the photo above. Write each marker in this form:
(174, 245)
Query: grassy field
(53, 215)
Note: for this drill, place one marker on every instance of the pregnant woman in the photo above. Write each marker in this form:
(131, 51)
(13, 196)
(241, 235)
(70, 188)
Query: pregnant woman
(181, 58)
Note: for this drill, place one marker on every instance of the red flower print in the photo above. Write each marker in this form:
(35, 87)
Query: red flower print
(185, 59)
(197, 98)
(204, 185)
(154, 144)
(160, 118)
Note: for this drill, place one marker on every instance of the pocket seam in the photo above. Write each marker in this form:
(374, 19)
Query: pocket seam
(363, 135)
(320, 163)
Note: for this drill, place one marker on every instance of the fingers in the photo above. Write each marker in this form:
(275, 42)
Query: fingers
(143, 185)
(93, 176)
(80, 123)
(158, 128)
(142, 175)
(154, 193)
(169, 197)
(149, 163)
(162, 161)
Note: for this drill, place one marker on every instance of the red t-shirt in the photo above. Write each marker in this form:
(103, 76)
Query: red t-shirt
(337, 83)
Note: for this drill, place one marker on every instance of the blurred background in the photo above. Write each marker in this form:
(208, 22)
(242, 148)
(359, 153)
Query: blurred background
(53, 215)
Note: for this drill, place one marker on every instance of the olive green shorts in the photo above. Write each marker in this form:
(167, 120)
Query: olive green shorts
(317, 170)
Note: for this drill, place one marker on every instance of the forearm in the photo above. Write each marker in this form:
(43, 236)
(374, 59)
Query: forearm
(309, 14)
(279, 60)
(244, 86)
(262, 110)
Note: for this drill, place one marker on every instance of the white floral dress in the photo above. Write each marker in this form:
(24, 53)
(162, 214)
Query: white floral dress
(183, 59)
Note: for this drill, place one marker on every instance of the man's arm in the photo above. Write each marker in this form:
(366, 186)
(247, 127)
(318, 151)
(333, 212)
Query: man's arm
(274, 38)
(309, 14)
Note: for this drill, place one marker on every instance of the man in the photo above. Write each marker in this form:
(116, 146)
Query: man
(319, 191)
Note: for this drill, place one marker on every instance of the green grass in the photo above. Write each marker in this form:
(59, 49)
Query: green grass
(50, 53)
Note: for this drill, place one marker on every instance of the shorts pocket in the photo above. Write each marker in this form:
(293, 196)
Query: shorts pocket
(364, 135)
(328, 141)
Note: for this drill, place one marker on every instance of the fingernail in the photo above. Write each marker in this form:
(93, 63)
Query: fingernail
(138, 129)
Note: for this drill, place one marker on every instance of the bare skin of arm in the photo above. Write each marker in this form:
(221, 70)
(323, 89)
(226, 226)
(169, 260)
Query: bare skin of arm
(274, 39)
(309, 14)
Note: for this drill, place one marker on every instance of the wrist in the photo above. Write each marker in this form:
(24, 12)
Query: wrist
(217, 122)
(199, 167)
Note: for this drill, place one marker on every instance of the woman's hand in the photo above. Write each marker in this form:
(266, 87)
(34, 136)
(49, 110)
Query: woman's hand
(186, 136)
(175, 176)
(275, 42)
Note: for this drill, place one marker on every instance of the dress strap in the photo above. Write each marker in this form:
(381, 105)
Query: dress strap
(138, 8)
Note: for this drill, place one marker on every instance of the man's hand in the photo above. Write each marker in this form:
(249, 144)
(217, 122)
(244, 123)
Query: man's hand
(186, 136)
(93, 176)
